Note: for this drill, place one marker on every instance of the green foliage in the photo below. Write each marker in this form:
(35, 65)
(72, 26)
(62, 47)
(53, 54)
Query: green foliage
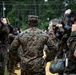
(17, 11)
(24, 26)
(12, 16)
(43, 25)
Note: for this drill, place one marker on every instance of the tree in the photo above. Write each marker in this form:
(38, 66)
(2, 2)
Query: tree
(18, 11)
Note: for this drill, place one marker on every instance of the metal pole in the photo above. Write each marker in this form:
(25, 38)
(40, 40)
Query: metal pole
(3, 9)
(39, 9)
(35, 6)
(18, 15)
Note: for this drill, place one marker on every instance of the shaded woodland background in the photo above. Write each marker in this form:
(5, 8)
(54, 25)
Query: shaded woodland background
(17, 11)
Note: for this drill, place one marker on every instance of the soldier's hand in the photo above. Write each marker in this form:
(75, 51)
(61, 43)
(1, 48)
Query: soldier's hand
(75, 53)
(67, 11)
(44, 55)
(73, 27)
(4, 21)
(59, 25)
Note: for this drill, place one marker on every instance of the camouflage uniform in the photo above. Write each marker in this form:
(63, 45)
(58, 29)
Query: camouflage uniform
(4, 31)
(11, 37)
(32, 41)
(71, 69)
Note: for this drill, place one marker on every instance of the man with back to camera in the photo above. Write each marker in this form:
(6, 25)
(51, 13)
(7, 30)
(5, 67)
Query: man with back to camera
(32, 42)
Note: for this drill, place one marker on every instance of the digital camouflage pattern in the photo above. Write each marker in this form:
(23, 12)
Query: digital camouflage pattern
(72, 60)
(4, 31)
(32, 41)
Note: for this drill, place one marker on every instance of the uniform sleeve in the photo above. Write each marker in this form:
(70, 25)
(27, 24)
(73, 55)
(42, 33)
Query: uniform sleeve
(72, 41)
(52, 49)
(15, 44)
(14, 47)
(13, 54)
(51, 44)
(73, 34)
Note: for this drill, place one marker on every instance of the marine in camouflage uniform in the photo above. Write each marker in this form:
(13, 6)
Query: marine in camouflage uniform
(51, 32)
(57, 30)
(11, 37)
(71, 68)
(4, 31)
(32, 41)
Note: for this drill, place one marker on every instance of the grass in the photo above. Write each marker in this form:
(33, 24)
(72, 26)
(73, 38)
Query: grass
(5, 71)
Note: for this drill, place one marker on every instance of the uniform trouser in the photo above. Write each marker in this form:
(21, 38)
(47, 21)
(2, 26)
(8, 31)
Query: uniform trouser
(2, 68)
(68, 74)
(28, 73)
(33, 67)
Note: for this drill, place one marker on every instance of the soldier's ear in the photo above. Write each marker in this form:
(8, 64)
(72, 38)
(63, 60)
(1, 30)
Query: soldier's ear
(73, 27)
